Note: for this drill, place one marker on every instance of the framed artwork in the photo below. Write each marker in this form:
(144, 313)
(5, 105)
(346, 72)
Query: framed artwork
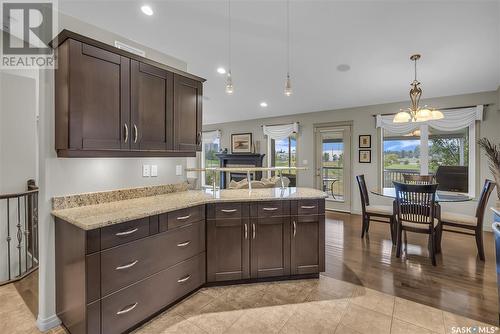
(365, 156)
(365, 141)
(241, 143)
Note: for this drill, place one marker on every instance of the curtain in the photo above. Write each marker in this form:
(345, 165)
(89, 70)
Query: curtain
(278, 132)
(210, 136)
(454, 119)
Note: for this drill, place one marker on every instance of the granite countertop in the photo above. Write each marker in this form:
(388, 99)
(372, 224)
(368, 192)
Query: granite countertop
(99, 215)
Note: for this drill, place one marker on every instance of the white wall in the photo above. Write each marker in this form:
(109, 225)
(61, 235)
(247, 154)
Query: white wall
(364, 123)
(69, 176)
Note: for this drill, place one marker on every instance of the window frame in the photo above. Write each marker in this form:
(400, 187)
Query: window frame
(270, 153)
(203, 153)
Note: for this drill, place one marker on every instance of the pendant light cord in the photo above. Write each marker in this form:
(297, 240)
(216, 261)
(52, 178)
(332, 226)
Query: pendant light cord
(288, 38)
(415, 69)
(229, 32)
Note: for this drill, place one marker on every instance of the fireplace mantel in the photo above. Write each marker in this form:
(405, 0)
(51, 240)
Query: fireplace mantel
(246, 159)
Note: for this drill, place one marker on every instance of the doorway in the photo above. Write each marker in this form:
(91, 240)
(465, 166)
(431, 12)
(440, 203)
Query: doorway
(333, 165)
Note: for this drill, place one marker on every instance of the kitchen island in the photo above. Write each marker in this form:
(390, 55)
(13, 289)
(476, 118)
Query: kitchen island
(120, 262)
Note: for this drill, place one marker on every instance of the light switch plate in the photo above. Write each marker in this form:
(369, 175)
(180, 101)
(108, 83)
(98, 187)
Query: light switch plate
(146, 170)
(154, 170)
(178, 170)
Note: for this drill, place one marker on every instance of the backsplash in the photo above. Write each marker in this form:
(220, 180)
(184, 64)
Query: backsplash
(72, 201)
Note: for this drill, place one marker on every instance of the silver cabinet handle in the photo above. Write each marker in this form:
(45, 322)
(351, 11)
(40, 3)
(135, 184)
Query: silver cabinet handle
(127, 309)
(294, 228)
(121, 234)
(126, 266)
(228, 210)
(246, 231)
(126, 132)
(183, 217)
(253, 231)
(136, 133)
(308, 206)
(182, 280)
(183, 244)
(269, 209)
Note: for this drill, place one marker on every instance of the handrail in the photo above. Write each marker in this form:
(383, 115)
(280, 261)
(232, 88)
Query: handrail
(15, 195)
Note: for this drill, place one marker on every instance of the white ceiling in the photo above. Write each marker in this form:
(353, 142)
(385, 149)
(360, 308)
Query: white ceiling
(459, 41)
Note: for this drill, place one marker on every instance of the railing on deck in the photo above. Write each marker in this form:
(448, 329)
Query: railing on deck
(391, 175)
(19, 229)
(333, 180)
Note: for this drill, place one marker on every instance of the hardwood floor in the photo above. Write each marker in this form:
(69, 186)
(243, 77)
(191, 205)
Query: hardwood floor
(460, 283)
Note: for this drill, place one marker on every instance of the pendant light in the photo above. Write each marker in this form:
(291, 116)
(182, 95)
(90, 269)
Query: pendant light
(229, 78)
(288, 82)
(415, 113)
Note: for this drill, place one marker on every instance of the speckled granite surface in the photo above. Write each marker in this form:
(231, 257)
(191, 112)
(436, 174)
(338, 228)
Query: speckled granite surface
(98, 215)
(100, 197)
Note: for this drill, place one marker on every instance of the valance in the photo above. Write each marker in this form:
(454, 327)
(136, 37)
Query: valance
(210, 136)
(454, 119)
(282, 131)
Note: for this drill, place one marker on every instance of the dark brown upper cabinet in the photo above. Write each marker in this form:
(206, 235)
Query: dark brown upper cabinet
(112, 103)
(187, 107)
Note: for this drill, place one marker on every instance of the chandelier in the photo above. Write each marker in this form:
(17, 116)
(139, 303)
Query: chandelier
(415, 113)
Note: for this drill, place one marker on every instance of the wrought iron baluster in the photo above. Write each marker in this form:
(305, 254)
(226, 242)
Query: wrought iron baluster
(8, 236)
(26, 233)
(19, 233)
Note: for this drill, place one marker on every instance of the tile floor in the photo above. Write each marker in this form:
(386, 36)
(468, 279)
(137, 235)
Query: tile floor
(324, 305)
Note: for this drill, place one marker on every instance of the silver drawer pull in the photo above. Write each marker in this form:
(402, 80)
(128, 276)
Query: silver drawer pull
(182, 280)
(121, 234)
(269, 209)
(127, 309)
(228, 210)
(183, 244)
(184, 217)
(126, 266)
(308, 206)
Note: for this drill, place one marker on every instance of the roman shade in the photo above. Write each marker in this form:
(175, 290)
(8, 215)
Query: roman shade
(281, 131)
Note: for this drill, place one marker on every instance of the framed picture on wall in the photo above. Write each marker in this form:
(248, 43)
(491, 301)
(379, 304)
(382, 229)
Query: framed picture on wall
(365, 141)
(241, 143)
(365, 156)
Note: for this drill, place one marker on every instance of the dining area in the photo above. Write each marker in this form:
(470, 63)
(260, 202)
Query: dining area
(419, 206)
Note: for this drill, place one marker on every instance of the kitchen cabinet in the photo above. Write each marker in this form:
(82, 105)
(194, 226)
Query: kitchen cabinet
(112, 103)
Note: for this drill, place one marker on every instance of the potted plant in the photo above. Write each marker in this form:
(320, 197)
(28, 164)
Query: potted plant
(493, 153)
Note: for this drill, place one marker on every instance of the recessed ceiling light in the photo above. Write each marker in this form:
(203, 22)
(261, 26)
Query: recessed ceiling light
(221, 70)
(343, 67)
(263, 104)
(147, 10)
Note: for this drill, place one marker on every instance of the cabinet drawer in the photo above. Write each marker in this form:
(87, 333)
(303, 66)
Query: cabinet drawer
(272, 209)
(127, 307)
(125, 232)
(127, 264)
(308, 207)
(181, 217)
(228, 210)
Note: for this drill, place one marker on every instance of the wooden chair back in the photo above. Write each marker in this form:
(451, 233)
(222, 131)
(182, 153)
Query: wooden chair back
(415, 203)
(365, 200)
(418, 179)
(488, 187)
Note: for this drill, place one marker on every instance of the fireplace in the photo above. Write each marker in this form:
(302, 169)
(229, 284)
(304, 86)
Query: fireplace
(239, 160)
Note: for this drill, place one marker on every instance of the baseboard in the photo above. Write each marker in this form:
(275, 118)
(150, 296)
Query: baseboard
(47, 323)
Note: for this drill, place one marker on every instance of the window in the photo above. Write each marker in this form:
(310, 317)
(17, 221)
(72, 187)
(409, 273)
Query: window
(401, 155)
(211, 146)
(284, 154)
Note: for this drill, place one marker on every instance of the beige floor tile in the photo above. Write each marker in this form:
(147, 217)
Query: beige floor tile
(161, 323)
(249, 325)
(332, 286)
(366, 321)
(420, 315)
(216, 322)
(193, 304)
(373, 300)
(343, 329)
(273, 316)
(184, 327)
(452, 321)
(401, 327)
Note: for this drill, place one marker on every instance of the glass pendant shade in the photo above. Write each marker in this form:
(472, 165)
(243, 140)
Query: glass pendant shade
(423, 115)
(229, 83)
(288, 86)
(436, 114)
(402, 117)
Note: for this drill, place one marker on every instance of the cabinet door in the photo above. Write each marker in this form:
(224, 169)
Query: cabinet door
(187, 113)
(152, 107)
(99, 87)
(270, 247)
(228, 243)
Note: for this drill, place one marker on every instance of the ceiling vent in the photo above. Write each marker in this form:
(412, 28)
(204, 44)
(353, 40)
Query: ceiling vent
(131, 49)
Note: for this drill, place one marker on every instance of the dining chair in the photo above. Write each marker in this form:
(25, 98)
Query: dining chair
(468, 224)
(416, 212)
(377, 213)
(418, 179)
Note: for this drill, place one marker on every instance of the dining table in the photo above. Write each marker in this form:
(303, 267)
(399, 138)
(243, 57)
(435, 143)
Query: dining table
(441, 196)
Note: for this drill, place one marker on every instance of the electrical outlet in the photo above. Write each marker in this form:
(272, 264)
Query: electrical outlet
(178, 170)
(154, 170)
(146, 170)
